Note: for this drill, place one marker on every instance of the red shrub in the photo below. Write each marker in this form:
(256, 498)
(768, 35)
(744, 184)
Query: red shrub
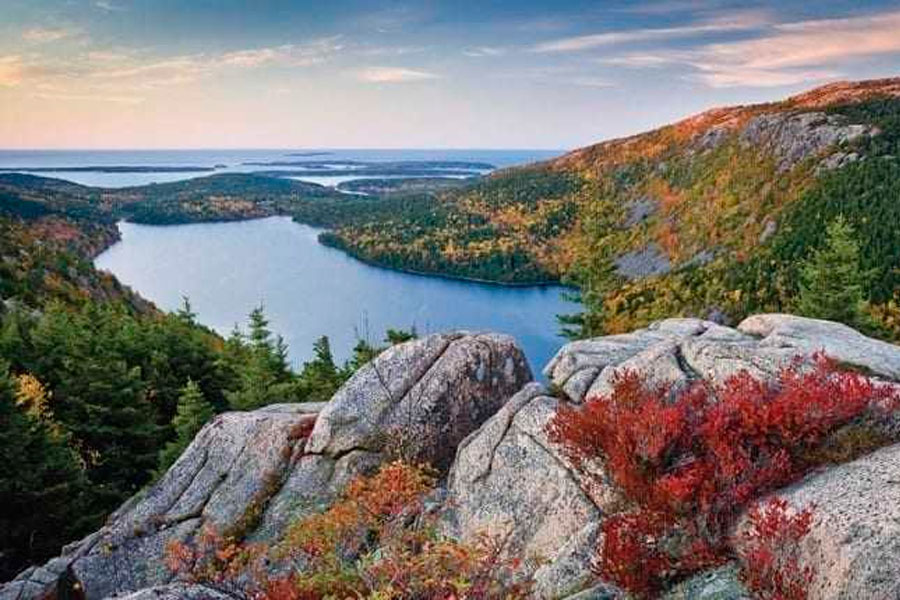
(636, 539)
(691, 463)
(770, 552)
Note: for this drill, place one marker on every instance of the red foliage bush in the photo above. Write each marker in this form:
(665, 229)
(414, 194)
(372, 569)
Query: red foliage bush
(691, 461)
(770, 552)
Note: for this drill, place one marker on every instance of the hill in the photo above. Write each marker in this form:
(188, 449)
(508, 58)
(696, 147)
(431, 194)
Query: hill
(704, 217)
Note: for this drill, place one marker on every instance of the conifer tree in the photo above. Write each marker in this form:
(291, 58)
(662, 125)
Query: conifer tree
(320, 377)
(260, 364)
(832, 281)
(192, 413)
(41, 485)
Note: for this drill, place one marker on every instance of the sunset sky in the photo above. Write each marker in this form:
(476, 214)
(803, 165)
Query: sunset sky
(453, 73)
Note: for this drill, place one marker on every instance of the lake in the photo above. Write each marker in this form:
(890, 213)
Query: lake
(309, 290)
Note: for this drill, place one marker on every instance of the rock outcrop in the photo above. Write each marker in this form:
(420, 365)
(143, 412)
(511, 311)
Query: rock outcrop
(509, 479)
(854, 544)
(510, 482)
(177, 591)
(676, 351)
(464, 402)
(794, 137)
(251, 473)
(646, 262)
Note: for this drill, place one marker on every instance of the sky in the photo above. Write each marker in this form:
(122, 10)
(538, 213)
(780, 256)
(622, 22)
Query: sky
(427, 74)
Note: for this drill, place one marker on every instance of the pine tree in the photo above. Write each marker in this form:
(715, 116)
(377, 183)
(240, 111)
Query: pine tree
(832, 281)
(186, 312)
(41, 486)
(399, 336)
(320, 377)
(192, 413)
(261, 367)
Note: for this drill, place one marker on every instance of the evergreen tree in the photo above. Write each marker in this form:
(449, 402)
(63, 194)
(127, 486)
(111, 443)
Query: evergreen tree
(192, 413)
(363, 352)
(90, 361)
(399, 336)
(832, 282)
(41, 486)
(186, 312)
(320, 377)
(260, 366)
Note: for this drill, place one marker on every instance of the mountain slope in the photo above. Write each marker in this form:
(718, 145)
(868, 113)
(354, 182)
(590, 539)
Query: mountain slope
(705, 216)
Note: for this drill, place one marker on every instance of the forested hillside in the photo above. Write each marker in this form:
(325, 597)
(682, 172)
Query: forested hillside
(707, 217)
(99, 390)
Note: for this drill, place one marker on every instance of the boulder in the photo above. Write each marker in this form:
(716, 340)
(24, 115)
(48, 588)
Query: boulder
(676, 351)
(601, 591)
(673, 352)
(225, 476)
(510, 482)
(249, 474)
(854, 544)
(838, 341)
(422, 397)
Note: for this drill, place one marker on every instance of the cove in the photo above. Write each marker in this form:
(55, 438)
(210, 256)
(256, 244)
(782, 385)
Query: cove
(309, 290)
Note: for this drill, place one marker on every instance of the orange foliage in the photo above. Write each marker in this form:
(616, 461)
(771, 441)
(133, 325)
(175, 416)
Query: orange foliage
(377, 541)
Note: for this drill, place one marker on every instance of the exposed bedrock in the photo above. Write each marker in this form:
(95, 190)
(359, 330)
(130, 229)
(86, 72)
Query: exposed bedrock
(257, 471)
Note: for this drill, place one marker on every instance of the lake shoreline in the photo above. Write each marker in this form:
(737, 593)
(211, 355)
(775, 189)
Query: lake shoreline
(445, 276)
(310, 289)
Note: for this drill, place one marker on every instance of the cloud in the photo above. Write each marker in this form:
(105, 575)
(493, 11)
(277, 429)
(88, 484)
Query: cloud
(786, 54)
(11, 71)
(154, 73)
(394, 75)
(108, 6)
(485, 51)
(587, 81)
(390, 50)
(126, 76)
(639, 60)
(288, 54)
(46, 34)
(667, 7)
(559, 75)
(88, 97)
(394, 19)
(814, 43)
(739, 22)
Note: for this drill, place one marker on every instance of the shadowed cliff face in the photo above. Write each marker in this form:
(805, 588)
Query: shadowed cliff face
(464, 402)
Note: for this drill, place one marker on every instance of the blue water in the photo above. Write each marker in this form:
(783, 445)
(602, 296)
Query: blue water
(309, 290)
(232, 161)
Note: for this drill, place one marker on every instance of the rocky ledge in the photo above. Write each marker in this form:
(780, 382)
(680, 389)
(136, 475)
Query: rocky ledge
(466, 403)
